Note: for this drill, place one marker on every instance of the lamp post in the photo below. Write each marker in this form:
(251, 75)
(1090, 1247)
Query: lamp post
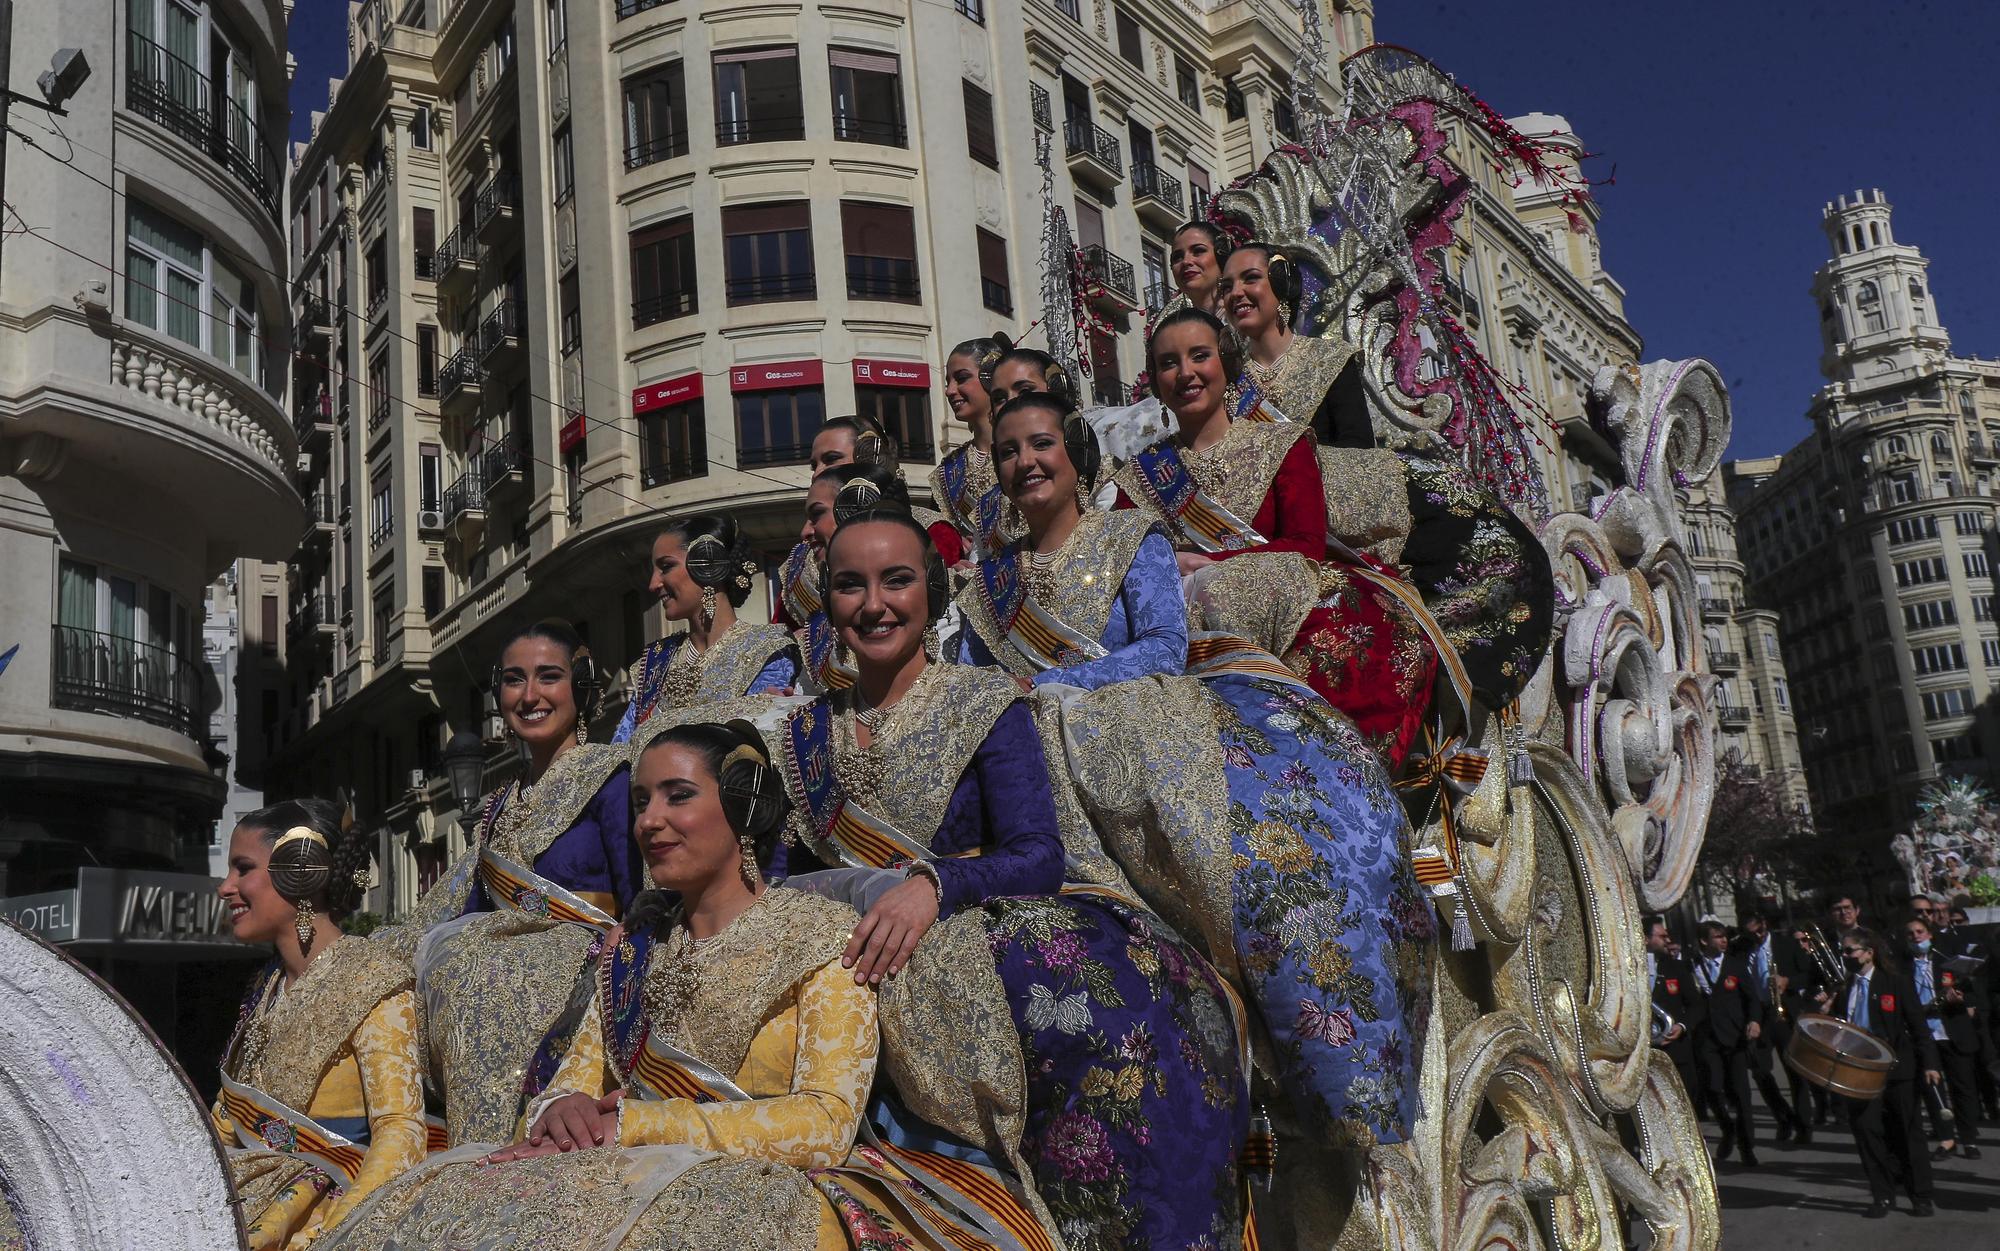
(465, 765)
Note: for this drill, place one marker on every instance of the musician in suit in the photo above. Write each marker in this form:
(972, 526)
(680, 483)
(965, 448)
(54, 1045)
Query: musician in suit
(1722, 1043)
(1775, 965)
(1960, 939)
(1674, 994)
(1954, 1010)
(1845, 914)
(1879, 999)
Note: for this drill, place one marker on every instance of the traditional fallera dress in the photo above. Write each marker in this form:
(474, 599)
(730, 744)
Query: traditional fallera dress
(1256, 496)
(1239, 804)
(968, 494)
(746, 1061)
(746, 659)
(1316, 383)
(1066, 1028)
(499, 941)
(322, 1099)
(799, 608)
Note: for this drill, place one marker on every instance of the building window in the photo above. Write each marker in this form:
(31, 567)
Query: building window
(1153, 261)
(1982, 608)
(124, 648)
(1186, 85)
(1976, 566)
(378, 390)
(995, 291)
(185, 73)
(430, 477)
(972, 10)
(1770, 645)
(573, 461)
(563, 159)
(1971, 523)
(881, 244)
(1283, 120)
(420, 128)
(673, 444)
(427, 361)
(381, 510)
(980, 139)
(433, 591)
(1941, 705)
(176, 283)
(1129, 45)
(767, 253)
(656, 120)
(757, 96)
(1233, 107)
(663, 272)
(1071, 9)
(1944, 658)
(1198, 189)
(377, 273)
(777, 427)
(1870, 301)
(1104, 383)
(1931, 614)
(383, 619)
(423, 242)
(1956, 749)
(867, 97)
(905, 413)
(1782, 696)
(1989, 651)
(1920, 572)
(1912, 529)
(569, 299)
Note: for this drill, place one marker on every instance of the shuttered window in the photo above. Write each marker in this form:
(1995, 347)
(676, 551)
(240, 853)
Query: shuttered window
(881, 245)
(980, 139)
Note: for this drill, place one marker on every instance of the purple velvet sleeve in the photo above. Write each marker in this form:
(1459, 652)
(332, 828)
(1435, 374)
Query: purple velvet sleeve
(597, 852)
(1004, 803)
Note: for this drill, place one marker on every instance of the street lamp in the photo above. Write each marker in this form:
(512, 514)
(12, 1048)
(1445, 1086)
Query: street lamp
(465, 765)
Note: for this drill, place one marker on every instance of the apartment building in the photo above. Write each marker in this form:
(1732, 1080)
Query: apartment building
(143, 352)
(1873, 537)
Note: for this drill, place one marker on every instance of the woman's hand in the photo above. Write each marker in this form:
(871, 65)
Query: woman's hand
(1023, 683)
(575, 1123)
(882, 943)
(1191, 561)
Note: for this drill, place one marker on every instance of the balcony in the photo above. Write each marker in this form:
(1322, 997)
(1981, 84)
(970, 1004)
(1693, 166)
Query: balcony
(1717, 609)
(1117, 287)
(1733, 715)
(378, 410)
(1156, 196)
(779, 454)
(465, 507)
(315, 320)
(885, 131)
(883, 278)
(500, 334)
(1038, 104)
(655, 309)
(1158, 295)
(678, 464)
(1725, 662)
(767, 288)
(1459, 298)
(1093, 152)
(319, 520)
(498, 208)
(459, 383)
(776, 129)
(503, 467)
(163, 88)
(1983, 451)
(629, 8)
(121, 677)
(312, 619)
(455, 263)
(656, 149)
(312, 422)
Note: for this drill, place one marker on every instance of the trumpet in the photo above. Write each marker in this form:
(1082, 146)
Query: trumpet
(1831, 972)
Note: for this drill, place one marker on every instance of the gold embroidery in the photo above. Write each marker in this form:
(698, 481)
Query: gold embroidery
(724, 670)
(1297, 382)
(1367, 499)
(533, 818)
(291, 1040)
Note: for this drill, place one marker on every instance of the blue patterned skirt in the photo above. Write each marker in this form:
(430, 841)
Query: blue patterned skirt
(1136, 1089)
(1332, 929)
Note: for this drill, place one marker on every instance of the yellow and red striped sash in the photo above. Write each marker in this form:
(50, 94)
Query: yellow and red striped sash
(262, 1123)
(510, 886)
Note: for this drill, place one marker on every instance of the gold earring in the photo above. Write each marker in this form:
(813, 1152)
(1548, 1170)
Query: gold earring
(933, 646)
(1082, 497)
(302, 925)
(751, 874)
(582, 729)
(707, 607)
(1285, 311)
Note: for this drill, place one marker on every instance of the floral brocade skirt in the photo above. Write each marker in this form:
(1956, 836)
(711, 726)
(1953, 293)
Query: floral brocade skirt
(1136, 1091)
(1364, 652)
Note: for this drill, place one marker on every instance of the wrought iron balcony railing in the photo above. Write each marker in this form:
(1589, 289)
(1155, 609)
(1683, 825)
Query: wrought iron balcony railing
(163, 88)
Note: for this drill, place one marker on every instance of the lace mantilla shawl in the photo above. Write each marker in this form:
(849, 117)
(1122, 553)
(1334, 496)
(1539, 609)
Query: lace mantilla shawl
(1297, 381)
(1077, 588)
(285, 1049)
(743, 975)
(1236, 471)
(532, 819)
(724, 671)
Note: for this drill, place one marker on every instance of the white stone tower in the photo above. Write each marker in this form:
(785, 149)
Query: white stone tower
(1877, 320)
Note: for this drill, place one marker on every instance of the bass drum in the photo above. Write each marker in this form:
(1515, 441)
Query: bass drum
(103, 1143)
(1838, 1056)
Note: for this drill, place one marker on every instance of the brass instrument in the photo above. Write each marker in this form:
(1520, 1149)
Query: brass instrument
(1831, 970)
(1663, 1024)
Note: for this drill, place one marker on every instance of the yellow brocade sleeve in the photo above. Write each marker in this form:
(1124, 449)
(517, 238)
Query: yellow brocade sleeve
(584, 1069)
(385, 1047)
(814, 1124)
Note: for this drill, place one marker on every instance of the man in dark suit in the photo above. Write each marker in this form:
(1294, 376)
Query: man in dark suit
(1722, 1044)
(1675, 995)
(1954, 1011)
(1774, 968)
(1886, 1130)
(1845, 915)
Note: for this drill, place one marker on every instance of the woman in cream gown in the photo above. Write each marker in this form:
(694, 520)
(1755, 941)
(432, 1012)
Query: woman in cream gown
(321, 1100)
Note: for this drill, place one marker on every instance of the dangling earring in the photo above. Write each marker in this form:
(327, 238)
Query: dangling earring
(842, 658)
(1082, 497)
(707, 607)
(751, 874)
(582, 729)
(933, 646)
(302, 925)
(1285, 311)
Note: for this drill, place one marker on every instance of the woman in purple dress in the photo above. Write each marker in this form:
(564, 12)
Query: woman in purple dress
(500, 940)
(1007, 953)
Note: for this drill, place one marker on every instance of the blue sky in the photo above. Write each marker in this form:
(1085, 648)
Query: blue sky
(1729, 124)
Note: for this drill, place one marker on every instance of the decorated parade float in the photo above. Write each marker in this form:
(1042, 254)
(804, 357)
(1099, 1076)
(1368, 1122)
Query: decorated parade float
(1549, 1120)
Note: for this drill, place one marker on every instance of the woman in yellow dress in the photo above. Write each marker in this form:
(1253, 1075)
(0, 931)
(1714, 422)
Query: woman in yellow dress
(708, 1089)
(321, 1100)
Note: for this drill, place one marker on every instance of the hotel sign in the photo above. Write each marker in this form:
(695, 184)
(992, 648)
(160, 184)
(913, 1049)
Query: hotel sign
(130, 908)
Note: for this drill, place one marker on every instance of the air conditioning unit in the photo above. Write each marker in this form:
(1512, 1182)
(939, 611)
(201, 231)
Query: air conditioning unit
(430, 519)
(418, 779)
(304, 463)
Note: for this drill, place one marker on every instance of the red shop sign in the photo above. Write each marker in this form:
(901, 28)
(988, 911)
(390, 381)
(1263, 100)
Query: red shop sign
(571, 433)
(672, 391)
(892, 374)
(776, 376)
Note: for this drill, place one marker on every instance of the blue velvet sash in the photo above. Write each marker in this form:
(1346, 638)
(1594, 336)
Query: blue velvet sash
(821, 646)
(653, 665)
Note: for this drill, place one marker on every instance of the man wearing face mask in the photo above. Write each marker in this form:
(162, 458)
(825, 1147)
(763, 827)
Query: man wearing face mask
(1954, 1010)
(1722, 1045)
(1774, 967)
(1887, 1132)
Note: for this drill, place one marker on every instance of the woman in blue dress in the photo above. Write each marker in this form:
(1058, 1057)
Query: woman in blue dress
(1284, 844)
(500, 940)
(703, 570)
(1060, 1024)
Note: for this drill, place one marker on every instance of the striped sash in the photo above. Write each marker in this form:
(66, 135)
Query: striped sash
(1213, 655)
(862, 839)
(1250, 404)
(653, 665)
(822, 652)
(982, 515)
(798, 583)
(1163, 476)
(512, 887)
(1041, 639)
(335, 1147)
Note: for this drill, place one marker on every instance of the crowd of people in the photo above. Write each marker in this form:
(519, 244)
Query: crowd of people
(1726, 1009)
(1044, 866)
